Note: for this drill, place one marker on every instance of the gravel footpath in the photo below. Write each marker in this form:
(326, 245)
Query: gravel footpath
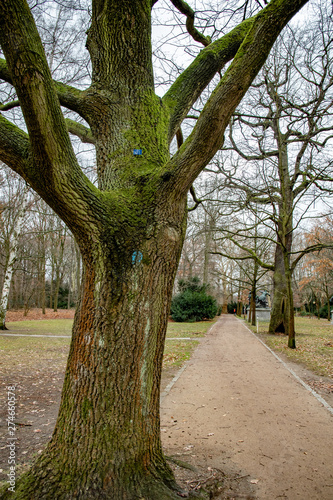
(236, 408)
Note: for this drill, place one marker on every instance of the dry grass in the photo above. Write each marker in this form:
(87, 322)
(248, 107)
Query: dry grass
(18, 353)
(314, 344)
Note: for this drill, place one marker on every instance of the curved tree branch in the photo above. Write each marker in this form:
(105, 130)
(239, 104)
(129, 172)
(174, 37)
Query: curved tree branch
(84, 133)
(53, 171)
(9, 105)
(208, 133)
(69, 97)
(310, 249)
(195, 199)
(251, 255)
(185, 9)
(14, 147)
(190, 84)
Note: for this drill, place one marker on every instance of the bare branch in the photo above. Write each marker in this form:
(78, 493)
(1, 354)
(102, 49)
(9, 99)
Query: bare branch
(195, 199)
(208, 134)
(9, 105)
(185, 9)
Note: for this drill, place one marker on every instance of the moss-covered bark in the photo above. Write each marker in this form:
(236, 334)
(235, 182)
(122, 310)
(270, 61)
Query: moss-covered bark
(112, 448)
(282, 312)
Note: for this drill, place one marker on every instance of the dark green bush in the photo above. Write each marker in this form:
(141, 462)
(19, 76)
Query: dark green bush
(192, 284)
(193, 303)
(323, 311)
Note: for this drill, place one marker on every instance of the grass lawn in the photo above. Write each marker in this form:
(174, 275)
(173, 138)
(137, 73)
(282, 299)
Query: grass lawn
(19, 352)
(41, 327)
(314, 344)
(176, 352)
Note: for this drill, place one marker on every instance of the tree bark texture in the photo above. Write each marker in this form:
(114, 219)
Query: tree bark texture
(130, 229)
(282, 312)
(112, 448)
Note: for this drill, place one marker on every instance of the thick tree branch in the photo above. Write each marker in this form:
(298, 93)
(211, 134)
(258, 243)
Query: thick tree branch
(208, 133)
(69, 97)
(14, 147)
(190, 84)
(53, 172)
(310, 249)
(84, 133)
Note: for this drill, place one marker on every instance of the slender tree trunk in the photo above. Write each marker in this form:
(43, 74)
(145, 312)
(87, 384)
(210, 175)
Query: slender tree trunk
(6, 289)
(252, 313)
(42, 280)
(58, 272)
(56, 292)
(328, 305)
(253, 304)
(77, 273)
(318, 307)
(12, 256)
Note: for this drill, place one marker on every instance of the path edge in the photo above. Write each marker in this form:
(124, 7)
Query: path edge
(290, 370)
(182, 369)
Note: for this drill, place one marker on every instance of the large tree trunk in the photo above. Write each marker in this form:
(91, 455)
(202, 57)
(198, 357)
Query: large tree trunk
(112, 448)
(282, 312)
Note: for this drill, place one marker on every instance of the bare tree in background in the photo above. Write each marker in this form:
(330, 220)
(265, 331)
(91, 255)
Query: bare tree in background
(288, 136)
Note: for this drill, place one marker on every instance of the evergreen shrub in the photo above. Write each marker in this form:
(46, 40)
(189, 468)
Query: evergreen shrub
(193, 303)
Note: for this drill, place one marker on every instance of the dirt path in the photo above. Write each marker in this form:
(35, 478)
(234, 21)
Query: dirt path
(236, 408)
